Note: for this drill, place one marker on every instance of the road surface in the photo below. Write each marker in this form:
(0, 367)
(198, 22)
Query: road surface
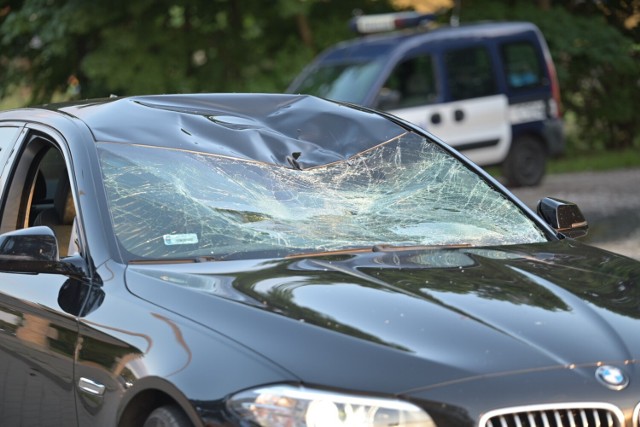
(610, 201)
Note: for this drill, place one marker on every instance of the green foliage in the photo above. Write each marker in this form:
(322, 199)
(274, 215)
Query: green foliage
(597, 66)
(161, 46)
(596, 161)
(165, 46)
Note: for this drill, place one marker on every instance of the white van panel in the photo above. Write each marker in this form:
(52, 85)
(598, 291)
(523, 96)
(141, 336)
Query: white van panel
(484, 121)
(528, 112)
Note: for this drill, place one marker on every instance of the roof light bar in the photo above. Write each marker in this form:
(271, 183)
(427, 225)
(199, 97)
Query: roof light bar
(368, 24)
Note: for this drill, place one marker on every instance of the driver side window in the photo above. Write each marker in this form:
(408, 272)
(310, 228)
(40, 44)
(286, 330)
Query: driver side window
(39, 193)
(412, 83)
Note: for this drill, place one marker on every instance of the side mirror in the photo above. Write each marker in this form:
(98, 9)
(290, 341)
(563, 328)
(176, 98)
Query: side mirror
(564, 217)
(30, 244)
(34, 250)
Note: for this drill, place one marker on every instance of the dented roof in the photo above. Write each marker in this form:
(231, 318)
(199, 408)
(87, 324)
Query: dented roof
(267, 128)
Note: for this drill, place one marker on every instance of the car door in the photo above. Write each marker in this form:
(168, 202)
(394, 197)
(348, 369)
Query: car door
(458, 101)
(38, 338)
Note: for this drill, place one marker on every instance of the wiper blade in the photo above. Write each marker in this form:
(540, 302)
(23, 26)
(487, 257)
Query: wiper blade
(378, 248)
(394, 248)
(334, 252)
(174, 260)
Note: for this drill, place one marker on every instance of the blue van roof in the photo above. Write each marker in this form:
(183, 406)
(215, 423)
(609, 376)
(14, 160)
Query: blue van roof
(372, 46)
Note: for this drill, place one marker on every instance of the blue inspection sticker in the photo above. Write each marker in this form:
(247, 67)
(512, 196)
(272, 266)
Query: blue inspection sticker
(180, 239)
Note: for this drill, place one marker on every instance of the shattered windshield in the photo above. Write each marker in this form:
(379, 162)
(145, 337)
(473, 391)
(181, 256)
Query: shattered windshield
(170, 203)
(341, 82)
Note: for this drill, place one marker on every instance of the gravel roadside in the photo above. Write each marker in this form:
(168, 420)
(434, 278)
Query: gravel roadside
(609, 200)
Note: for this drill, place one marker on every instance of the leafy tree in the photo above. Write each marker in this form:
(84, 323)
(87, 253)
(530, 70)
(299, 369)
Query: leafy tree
(76, 48)
(622, 14)
(597, 66)
(114, 46)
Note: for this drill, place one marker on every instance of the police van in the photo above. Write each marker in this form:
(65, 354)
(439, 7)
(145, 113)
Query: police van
(487, 89)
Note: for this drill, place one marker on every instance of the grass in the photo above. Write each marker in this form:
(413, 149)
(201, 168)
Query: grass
(587, 162)
(597, 161)
(16, 99)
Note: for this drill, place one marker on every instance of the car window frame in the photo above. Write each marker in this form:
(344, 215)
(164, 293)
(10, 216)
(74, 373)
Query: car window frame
(33, 143)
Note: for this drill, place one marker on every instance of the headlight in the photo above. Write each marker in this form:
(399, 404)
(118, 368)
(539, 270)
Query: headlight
(287, 406)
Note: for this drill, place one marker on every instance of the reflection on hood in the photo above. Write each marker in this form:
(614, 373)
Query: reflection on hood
(446, 303)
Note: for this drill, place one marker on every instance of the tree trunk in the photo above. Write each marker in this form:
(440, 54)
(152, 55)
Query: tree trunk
(304, 29)
(544, 4)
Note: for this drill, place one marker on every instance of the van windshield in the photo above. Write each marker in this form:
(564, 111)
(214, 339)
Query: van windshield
(346, 82)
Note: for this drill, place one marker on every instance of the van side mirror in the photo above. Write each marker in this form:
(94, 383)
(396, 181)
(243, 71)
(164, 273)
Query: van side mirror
(564, 217)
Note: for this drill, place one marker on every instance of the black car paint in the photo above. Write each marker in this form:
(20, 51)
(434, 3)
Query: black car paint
(411, 324)
(445, 316)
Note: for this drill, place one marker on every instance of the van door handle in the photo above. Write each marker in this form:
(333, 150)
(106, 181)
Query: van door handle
(458, 115)
(436, 118)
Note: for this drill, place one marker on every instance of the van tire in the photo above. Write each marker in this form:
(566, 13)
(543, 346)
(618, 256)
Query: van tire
(526, 162)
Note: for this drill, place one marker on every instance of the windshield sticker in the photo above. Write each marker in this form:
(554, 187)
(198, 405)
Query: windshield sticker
(180, 239)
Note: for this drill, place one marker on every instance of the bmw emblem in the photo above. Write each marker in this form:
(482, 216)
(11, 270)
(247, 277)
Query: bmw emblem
(612, 377)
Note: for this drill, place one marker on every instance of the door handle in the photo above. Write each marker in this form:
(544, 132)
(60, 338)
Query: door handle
(91, 387)
(458, 115)
(436, 119)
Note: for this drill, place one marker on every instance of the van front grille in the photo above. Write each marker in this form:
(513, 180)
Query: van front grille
(558, 416)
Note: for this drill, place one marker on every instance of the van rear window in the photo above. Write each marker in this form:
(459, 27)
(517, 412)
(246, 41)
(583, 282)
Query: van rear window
(522, 65)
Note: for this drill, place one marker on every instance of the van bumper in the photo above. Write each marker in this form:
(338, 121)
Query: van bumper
(554, 136)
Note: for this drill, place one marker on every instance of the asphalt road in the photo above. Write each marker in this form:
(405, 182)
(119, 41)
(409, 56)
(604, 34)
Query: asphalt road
(610, 201)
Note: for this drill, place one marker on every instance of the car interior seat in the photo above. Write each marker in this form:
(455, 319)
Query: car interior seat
(60, 217)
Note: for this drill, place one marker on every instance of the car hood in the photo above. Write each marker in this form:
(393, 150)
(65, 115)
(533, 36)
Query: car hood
(442, 315)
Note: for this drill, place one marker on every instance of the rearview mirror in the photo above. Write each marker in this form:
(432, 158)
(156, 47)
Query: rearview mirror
(564, 217)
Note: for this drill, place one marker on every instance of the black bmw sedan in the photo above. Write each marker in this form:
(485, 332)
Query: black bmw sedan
(286, 261)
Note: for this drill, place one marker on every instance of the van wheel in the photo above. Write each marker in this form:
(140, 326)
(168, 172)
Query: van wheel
(526, 162)
(167, 416)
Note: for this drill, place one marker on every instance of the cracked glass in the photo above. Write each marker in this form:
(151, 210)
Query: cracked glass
(171, 203)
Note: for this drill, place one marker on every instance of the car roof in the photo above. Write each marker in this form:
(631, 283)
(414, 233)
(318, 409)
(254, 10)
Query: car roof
(271, 128)
(381, 44)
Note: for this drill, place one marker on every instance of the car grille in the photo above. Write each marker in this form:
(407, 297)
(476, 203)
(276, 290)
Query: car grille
(555, 416)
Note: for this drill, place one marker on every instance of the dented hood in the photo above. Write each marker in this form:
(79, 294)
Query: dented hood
(444, 315)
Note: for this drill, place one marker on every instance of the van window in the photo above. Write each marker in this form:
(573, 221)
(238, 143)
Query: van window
(470, 73)
(348, 82)
(522, 65)
(411, 83)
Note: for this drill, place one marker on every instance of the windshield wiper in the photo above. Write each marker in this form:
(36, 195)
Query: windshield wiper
(393, 248)
(174, 260)
(333, 252)
(378, 248)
